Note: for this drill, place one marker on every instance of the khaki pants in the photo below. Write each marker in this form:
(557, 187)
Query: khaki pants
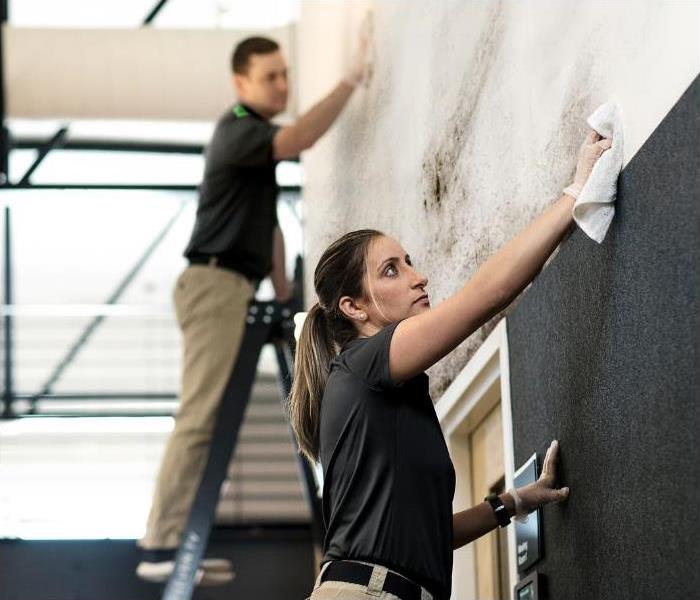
(341, 590)
(211, 306)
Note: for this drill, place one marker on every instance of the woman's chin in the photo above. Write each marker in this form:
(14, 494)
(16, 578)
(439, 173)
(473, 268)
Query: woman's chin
(420, 307)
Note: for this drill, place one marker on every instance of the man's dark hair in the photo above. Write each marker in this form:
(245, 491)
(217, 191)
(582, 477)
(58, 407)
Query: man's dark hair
(252, 45)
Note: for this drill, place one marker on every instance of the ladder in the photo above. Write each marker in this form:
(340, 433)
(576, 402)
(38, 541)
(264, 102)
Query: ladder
(266, 323)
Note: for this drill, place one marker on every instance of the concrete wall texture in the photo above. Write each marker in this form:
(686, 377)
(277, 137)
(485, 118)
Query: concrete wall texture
(471, 122)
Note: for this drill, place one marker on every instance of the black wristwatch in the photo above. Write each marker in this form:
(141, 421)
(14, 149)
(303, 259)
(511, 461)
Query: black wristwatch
(499, 509)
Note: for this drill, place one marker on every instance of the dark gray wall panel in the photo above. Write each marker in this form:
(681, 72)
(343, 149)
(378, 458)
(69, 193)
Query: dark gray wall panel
(603, 352)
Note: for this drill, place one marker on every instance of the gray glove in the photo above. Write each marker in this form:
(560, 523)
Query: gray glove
(534, 495)
(591, 149)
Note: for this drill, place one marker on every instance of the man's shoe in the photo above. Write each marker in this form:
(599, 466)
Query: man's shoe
(207, 578)
(216, 565)
(156, 566)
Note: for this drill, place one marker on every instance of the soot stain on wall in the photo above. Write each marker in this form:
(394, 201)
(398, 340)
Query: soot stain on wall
(578, 102)
(443, 155)
(559, 162)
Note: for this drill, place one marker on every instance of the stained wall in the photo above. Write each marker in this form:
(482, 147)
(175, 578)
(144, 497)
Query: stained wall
(470, 124)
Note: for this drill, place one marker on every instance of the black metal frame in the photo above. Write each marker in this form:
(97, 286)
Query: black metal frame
(4, 133)
(61, 140)
(90, 328)
(57, 141)
(154, 12)
(272, 325)
(120, 186)
(8, 324)
(7, 270)
(161, 147)
(32, 143)
(267, 322)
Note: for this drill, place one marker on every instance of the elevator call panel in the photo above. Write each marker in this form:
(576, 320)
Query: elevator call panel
(530, 588)
(527, 535)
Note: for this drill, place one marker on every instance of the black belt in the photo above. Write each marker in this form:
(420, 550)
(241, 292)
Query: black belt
(218, 261)
(352, 572)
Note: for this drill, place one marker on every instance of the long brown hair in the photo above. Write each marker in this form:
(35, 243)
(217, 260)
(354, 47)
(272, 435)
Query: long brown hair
(340, 272)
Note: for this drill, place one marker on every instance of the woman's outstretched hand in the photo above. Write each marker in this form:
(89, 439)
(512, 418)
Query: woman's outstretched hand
(591, 150)
(543, 491)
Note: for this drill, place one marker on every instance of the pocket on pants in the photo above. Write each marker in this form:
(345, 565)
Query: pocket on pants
(340, 590)
(204, 292)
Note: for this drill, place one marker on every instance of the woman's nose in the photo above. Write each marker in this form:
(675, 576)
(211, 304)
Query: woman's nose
(421, 280)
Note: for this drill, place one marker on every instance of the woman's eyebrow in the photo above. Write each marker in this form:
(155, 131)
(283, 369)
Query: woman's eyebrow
(386, 260)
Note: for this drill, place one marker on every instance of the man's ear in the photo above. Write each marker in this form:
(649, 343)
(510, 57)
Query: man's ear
(351, 309)
(239, 83)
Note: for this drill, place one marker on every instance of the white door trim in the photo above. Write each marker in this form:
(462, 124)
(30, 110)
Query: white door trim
(470, 397)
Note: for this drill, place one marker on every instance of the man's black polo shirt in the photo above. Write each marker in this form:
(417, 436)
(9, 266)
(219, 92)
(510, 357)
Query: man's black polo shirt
(237, 209)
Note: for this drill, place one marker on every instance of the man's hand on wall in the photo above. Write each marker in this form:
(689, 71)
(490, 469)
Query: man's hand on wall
(360, 66)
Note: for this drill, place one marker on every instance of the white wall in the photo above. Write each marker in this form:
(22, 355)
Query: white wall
(471, 123)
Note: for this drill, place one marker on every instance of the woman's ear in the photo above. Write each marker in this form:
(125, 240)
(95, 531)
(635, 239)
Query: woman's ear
(351, 309)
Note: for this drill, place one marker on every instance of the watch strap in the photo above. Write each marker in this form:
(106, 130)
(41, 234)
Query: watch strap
(499, 509)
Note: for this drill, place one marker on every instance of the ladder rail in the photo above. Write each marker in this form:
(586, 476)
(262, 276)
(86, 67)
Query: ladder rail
(267, 322)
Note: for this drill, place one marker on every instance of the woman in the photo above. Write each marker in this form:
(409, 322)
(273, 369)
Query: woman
(365, 413)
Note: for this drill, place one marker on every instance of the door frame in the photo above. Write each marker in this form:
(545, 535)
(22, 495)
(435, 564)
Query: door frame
(475, 391)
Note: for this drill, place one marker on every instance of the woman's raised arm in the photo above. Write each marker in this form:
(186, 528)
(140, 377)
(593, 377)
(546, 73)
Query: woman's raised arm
(420, 341)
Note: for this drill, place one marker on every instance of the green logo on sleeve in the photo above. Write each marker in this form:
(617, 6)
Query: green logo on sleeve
(239, 111)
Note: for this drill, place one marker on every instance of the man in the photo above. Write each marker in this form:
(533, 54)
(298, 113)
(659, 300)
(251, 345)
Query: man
(236, 242)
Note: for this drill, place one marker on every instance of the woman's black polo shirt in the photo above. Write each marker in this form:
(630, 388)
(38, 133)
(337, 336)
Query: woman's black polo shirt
(388, 477)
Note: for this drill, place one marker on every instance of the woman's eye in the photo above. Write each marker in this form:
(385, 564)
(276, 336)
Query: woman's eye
(390, 271)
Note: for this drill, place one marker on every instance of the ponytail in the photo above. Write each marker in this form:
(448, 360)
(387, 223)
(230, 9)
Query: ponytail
(315, 351)
(340, 272)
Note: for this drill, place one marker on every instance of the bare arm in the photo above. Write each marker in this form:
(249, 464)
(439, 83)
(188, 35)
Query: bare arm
(279, 273)
(422, 340)
(291, 140)
(470, 524)
(474, 522)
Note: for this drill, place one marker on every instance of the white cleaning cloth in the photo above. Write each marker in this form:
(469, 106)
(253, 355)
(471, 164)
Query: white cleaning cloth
(595, 207)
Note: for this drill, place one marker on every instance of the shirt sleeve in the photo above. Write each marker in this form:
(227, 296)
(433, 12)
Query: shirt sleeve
(246, 142)
(368, 359)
